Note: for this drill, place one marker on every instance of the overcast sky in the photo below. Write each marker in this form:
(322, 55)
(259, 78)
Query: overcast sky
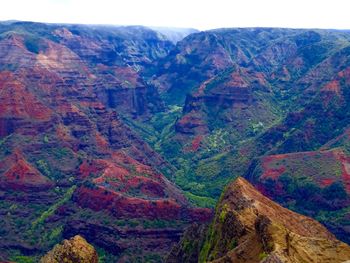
(200, 14)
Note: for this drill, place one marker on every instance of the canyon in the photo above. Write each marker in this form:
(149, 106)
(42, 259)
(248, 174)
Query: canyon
(128, 136)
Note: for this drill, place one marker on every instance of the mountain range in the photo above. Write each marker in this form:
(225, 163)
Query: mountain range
(128, 135)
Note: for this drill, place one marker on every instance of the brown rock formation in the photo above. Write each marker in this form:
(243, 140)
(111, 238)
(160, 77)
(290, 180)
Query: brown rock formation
(75, 250)
(249, 227)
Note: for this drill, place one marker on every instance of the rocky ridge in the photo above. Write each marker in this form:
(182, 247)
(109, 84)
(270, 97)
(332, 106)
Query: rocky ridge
(249, 227)
(75, 249)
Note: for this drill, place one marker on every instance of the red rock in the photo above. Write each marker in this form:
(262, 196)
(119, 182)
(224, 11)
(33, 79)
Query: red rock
(121, 205)
(17, 102)
(191, 123)
(345, 162)
(326, 182)
(21, 176)
(332, 86)
(296, 160)
(196, 143)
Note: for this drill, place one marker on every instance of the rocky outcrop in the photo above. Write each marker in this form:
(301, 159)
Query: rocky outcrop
(189, 247)
(75, 249)
(261, 230)
(249, 227)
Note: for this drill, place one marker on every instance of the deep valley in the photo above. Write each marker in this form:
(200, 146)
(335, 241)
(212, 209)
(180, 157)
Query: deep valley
(137, 139)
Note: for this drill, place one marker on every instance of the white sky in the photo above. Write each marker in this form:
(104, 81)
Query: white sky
(200, 14)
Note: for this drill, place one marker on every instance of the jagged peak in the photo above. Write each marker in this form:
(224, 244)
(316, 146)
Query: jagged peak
(242, 195)
(249, 227)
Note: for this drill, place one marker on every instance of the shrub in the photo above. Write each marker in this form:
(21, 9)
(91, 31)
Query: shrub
(334, 191)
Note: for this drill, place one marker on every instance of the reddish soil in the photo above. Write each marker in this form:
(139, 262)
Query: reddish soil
(336, 155)
(326, 182)
(129, 76)
(21, 176)
(269, 172)
(120, 205)
(345, 161)
(17, 102)
(237, 81)
(196, 143)
(345, 74)
(333, 86)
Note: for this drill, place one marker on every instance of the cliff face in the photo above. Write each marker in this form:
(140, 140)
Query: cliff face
(108, 60)
(75, 249)
(203, 55)
(246, 93)
(249, 227)
(65, 151)
(234, 98)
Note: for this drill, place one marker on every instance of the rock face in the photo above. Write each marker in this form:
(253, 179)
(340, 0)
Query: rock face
(247, 92)
(117, 240)
(75, 249)
(249, 227)
(190, 245)
(263, 93)
(229, 97)
(65, 150)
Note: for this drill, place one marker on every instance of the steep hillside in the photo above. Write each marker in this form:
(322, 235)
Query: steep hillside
(235, 94)
(312, 183)
(290, 95)
(108, 60)
(249, 227)
(203, 55)
(68, 164)
(117, 134)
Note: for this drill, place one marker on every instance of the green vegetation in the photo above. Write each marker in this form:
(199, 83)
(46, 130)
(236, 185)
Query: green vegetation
(223, 213)
(200, 201)
(282, 109)
(46, 139)
(67, 196)
(219, 239)
(104, 256)
(43, 167)
(203, 256)
(24, 259)
(263, 255)
(34, 44)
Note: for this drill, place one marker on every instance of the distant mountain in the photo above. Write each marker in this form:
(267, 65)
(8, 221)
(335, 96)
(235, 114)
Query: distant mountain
(175, 34)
